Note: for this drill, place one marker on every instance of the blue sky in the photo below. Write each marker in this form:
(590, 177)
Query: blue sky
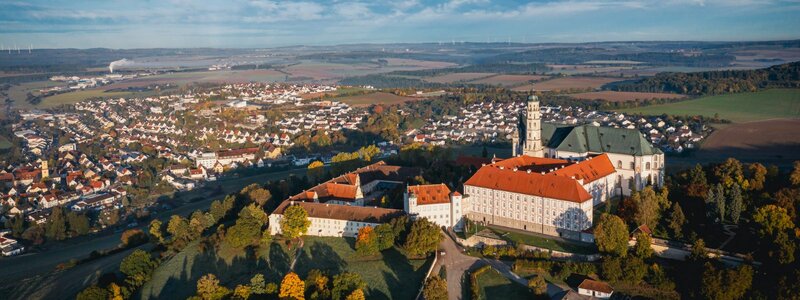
(261, 23)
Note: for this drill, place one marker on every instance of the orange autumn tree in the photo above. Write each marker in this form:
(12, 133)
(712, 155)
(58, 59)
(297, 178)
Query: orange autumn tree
(292, 288)
(356, 295)
(366, 242)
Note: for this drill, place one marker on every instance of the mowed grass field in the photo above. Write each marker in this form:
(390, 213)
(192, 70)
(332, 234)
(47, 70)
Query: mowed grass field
(493, 285)
(614, 96)
(375, 98)
(388, 275)
(739, 108)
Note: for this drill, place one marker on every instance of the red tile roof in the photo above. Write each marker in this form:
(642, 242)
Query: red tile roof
(594, 285)
(545, 177)
(588, 170)
(430, 193)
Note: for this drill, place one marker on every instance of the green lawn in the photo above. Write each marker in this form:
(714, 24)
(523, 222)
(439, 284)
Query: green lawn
(388, 276)
(743, 107)
(544, 242)
(5, 143)
(493, 285)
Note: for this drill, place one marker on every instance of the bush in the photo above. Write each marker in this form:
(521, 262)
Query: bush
(474, 289)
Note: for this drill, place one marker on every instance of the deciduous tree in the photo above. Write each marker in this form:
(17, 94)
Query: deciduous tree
(155, 231)
(208, 288)
(435, 288)
(423, 238)
(356, 295)
(247, 229)
(292, 287)
(345, 283)
(611, 235)
(294, 222)
(385, 236)
(366, 241)
(56, 227)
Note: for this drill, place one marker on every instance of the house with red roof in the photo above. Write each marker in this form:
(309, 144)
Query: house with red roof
(436, 203)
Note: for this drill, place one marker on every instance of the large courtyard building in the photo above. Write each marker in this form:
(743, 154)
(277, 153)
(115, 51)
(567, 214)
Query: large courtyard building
(334, 220)
(636, 160)
(360, 187)
(544, 195)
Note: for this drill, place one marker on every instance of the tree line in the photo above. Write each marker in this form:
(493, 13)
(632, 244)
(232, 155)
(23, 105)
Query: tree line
(718, 82)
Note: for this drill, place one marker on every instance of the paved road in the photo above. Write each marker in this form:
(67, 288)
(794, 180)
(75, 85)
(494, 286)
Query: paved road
(457, 264)
(40, 263)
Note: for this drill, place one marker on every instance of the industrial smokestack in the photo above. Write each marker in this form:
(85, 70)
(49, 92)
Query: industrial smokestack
(119, 63)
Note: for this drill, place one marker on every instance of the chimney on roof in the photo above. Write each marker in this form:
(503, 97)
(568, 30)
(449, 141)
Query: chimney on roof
(515, 169)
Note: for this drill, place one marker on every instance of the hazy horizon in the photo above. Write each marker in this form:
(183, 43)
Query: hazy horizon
(265, 24)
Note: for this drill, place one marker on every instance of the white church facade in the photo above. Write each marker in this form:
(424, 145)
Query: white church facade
(637, 162)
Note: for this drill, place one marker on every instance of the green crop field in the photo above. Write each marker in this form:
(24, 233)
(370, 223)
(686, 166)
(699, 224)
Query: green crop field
(388, 275)
(739, 108)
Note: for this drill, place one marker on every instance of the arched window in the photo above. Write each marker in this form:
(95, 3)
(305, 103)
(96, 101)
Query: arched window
(633, 165)
(619, 164)
(647, 166)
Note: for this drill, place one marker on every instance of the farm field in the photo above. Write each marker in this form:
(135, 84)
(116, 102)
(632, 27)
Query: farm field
(769, 141)
(457, 77)
(566, 83)
(743, 107)
(614, 96)
(508, 80)
(493, 285)
(176, 278)
(415, 63)
(375, 98)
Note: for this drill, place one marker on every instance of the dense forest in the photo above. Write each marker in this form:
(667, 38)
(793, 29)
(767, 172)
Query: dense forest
(718, 82)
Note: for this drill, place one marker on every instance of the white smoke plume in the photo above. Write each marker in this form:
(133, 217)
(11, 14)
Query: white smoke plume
(119, 63)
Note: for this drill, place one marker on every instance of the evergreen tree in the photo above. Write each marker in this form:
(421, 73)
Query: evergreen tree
(676, 220)
(736, 204)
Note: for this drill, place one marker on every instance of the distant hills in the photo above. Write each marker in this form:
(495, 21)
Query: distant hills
(717, 82)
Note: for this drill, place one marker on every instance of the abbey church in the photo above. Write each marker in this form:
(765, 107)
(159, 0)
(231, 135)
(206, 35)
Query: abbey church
(558, 174)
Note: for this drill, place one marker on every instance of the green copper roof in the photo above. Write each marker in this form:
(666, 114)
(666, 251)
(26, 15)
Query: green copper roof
(588, 138)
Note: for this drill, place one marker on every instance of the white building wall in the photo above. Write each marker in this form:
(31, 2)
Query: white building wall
(323, 226)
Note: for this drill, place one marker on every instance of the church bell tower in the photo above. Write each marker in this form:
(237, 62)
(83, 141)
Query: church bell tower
(533, 129)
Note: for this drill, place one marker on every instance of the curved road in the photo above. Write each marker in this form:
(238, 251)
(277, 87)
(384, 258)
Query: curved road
(457, 264)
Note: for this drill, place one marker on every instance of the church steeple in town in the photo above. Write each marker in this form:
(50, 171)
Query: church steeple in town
(532, 145)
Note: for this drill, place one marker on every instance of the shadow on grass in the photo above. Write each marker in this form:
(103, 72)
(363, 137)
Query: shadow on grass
(319, 256)
(178, 277)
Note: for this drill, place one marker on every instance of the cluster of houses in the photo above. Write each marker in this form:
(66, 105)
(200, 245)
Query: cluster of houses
(493, 121)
